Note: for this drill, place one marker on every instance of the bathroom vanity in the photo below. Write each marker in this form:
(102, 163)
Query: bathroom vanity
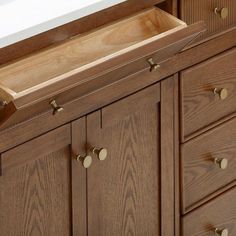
(118, 118)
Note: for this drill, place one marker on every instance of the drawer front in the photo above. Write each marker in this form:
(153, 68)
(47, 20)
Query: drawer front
(82, 60)
(208, 93)
(218, 214)
(193, 11)
(208, 164)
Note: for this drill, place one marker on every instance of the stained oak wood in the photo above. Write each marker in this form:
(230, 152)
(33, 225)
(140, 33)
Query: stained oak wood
(200, 106)
(95, 46)
(176, 132)
(126, 187)
(167, 166)
(39, 121)
(192, 11)
(201, 176)
(124, 190)
(125, 107)
(50, 72)
(79, 178)
(35, 197)
(42, 146)
(219, 213)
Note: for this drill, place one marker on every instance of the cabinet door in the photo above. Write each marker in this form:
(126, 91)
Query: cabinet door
(127, 192)
(35, 187)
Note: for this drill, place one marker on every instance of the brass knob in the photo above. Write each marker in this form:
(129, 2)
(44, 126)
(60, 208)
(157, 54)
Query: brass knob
(223, 163)
(153, 66)
(223, 12)
(221, 232)
(221, 92)
(3, 104)
(56, 108)
(86, 160)
(101, 153)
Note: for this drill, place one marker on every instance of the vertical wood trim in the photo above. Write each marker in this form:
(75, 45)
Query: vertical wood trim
(176, 155)
(0, 165)
(79, 182)
(94, 124)
(170, 6)
(167, 158)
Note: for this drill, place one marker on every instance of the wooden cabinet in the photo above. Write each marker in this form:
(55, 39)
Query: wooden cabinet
(48, 189)
(35, 190)
(99, 136)
(123, 188)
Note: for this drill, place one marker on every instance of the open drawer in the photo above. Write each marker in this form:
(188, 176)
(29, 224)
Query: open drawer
(44, 75)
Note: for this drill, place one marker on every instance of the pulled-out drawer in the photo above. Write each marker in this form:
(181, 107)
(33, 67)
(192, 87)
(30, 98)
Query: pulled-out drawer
(208, 164)
(82, 63)
(208, 93)
(215, 218)
(218, 15)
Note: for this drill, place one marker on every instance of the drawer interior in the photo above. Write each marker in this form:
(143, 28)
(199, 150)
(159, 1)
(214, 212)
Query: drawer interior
(84, 51)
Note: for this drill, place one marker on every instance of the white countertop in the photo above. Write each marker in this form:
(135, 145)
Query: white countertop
(21, 19)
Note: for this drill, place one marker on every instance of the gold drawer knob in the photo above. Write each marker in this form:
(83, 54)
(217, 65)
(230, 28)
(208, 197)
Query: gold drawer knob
(153, 66)
(3, 104)
(223, 12)
(56, 108)
(223, 163)
(221, 232)
(221, 92)
(101, 153)
(86, 160)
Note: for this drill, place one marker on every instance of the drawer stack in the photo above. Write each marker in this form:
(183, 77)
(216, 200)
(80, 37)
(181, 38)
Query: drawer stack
(208, 149)
(219, 15)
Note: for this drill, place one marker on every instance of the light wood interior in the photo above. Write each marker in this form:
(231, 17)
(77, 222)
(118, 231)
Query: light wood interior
(87, 50)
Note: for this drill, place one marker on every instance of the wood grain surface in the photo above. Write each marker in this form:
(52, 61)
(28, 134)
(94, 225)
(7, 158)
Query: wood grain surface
(39, 121)
(201, 176)
(108, 41)
(35, 188)
(219, 213)
(200, 106)
(35, 198)
(193, 11)
(167, 166)
(79, 178)
(54, 72)
(124, 190)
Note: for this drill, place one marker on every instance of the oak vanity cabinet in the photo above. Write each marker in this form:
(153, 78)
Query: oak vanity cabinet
(121, 149)
(35, 191)
(109, 169)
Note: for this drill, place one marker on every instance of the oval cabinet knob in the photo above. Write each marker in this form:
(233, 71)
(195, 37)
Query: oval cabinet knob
(56, 107)
(153, 66)
(222, 232)
(222, 93)
(101, 153)
(223, 163)
(86, 160)
(222, 12)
